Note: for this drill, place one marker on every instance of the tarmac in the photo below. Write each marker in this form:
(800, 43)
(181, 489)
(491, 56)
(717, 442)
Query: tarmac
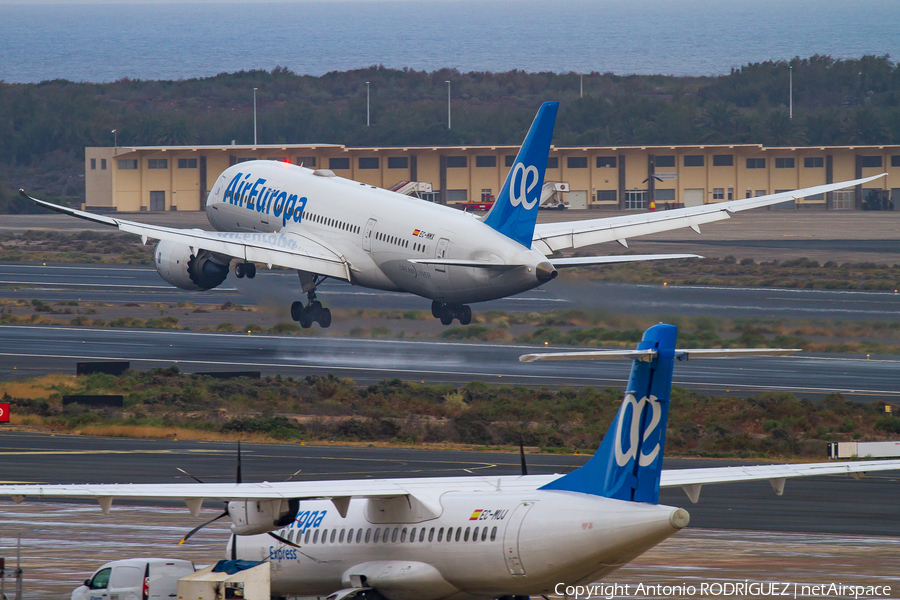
(823, 530)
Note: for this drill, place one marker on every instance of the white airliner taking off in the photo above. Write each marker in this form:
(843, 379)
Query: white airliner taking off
(326, 226)
(474, 538)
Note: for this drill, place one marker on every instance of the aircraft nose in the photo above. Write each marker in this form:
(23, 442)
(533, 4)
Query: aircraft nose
(545, 272)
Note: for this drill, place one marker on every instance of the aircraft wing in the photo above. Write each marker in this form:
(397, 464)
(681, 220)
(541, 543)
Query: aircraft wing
(426, 490)
(691, 480)
(289, 250)
(552, 237)
(583, 261)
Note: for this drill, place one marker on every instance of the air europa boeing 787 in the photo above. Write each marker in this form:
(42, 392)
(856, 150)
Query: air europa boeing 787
(326, 226)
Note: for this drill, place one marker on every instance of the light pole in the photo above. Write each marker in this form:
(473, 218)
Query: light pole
(448, 103)
(581, 85)
(254, 116)
(367, 104)
(115, 139)
(791, 93)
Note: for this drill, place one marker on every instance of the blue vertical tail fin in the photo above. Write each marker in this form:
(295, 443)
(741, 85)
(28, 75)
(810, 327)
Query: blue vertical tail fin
(515, 210)
(628, 463)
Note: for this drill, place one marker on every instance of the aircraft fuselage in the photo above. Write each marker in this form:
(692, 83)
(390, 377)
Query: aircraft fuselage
(481, 544)
(377, 231)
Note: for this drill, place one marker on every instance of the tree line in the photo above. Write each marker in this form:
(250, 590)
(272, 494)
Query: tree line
(835, 102)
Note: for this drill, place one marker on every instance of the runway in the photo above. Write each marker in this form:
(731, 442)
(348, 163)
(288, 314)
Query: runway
(142, 284)
(35, 350)
(833, 505)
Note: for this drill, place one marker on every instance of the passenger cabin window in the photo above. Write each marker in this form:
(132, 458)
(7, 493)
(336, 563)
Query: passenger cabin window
(493, 534)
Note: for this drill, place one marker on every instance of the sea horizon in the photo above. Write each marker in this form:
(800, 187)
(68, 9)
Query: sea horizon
(104, 42)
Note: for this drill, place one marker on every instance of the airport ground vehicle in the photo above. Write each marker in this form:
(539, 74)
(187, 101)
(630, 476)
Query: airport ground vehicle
(135, 579)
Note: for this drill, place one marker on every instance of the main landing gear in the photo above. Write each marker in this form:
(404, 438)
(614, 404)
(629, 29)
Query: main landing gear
(447, 312)
(246, 269)
(313, 312)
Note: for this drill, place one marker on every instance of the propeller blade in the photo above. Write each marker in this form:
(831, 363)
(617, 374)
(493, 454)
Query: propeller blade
(201, 526)
(238, 479)
(188, 474)
(233, 547)
(283, 540)
(522, 455)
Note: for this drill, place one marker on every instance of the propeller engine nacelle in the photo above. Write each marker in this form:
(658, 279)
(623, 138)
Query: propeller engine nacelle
(251, 517)
(179, 266)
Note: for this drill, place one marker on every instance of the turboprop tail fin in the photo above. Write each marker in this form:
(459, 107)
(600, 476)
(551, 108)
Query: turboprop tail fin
(628, 463)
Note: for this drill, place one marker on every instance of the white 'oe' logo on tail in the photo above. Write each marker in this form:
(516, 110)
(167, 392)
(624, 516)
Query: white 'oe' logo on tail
(520, 195)
(637, 406)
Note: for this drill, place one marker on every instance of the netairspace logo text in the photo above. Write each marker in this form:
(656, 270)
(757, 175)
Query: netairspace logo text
(727, 589)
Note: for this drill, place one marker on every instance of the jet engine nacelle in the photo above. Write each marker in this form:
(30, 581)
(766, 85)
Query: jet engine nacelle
(251, 517)
(176, 264)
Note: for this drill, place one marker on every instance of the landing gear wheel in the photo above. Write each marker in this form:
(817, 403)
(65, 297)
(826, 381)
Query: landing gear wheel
(306, 319)
(315, 305)
(296, 310)
(436, 309)
(446, 316)
(465, 315)
(325, 318)
(239, 270)
(251, 270)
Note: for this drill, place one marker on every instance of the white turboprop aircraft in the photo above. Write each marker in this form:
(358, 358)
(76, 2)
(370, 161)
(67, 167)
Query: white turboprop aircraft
(326, 226)
(474, 538)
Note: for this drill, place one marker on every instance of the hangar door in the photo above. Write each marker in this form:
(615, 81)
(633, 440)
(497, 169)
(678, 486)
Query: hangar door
(694, 197)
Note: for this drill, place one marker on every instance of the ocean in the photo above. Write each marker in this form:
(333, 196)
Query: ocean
(108, 42)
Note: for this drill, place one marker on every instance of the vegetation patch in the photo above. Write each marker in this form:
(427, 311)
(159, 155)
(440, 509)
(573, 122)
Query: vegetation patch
(166, 402)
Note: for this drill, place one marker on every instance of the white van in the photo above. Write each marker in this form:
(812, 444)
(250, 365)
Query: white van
(135, 579)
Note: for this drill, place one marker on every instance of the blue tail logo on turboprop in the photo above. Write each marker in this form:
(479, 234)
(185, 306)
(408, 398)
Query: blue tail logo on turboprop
(628, 463)
(515, 211)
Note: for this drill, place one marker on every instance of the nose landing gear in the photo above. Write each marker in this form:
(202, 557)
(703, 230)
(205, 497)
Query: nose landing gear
(313, 312)
(447, 312)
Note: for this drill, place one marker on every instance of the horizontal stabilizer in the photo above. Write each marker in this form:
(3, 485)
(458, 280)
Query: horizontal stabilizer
(649, 354)
(583, 261)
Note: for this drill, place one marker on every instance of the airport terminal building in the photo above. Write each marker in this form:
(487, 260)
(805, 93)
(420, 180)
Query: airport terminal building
(159, 178)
